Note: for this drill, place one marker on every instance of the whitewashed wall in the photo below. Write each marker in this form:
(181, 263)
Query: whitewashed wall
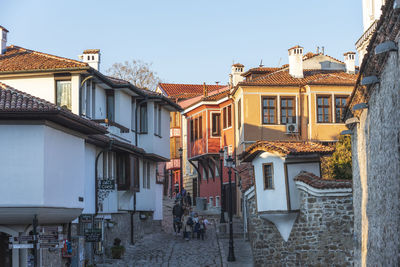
(292, 171)
(90, 194)
(270, 199)
(146, 198)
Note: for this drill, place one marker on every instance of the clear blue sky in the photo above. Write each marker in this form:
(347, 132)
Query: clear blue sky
(187, 41)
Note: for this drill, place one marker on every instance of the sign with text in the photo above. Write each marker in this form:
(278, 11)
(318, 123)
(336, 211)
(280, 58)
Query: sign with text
(85, 218)
(93, 235)
(107, 184)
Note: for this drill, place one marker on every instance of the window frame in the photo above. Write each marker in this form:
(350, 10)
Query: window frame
(272, 186)
(268, 108)
(60, 80)
(227, 117)
(281, 107)
(122, 158)
(110, 93)
(239, 113)
(143, 124)
(323, 107)
(343, 108)
(217, 132)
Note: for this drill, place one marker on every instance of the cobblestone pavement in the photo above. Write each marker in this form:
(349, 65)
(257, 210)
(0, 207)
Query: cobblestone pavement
(166, 249)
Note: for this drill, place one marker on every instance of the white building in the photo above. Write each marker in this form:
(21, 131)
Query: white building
(40, 142)
(275, 164)
(120, 167)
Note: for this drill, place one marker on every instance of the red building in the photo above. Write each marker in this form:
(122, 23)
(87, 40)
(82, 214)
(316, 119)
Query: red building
(210, 120)
(179, 93)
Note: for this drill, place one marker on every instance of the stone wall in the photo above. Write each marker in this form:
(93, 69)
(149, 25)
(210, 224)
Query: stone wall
(322, 234)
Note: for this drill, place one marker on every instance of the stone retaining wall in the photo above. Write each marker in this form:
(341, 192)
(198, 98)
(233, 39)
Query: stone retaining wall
(322, 234)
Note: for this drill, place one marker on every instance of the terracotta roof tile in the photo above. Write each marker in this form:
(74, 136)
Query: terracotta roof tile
(18, 59)
(175, 90)
(238, 65)
(321, 77)
(317, 182)
(260, 70)
(285, 148)
(297, 46)
(91, 51)
(14, 102)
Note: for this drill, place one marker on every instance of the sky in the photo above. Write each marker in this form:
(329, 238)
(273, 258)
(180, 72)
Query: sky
(186, 41)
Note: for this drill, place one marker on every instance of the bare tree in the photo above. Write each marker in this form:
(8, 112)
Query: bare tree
(137, 72)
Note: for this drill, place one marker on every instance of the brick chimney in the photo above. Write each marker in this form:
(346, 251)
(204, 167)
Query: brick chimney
(205, 92)
(296, 61)
(3, 36)
(92, 57)
(236, 74)
(349, 61)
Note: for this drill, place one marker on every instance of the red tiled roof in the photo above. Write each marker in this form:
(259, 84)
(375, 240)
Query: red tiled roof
(238, 65)
(285, 148)
(260, 70)
(14, 103)
(246, 173)
(217, 96)
(297, 46)
(176, 90)
(91, 51)
(319, 183)
(320, 77)
(18, 59)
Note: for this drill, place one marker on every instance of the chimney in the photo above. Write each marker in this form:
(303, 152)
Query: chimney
(205, 90)
(349, 61)
(236, 74)
(296, 61)
(92, 57)
(3, 36)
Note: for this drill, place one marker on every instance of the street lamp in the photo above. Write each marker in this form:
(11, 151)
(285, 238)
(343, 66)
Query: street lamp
(180, 150)
(221, 159)
(231, 254)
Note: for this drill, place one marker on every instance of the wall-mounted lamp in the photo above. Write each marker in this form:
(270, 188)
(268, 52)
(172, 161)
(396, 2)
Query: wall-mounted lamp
(385, 47)
(345, 132)
(369, 80)
(360, 106)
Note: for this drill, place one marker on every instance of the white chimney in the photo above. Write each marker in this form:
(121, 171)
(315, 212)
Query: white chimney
(349, 61)
(3, 36)
(296, 61)
(236, 74)
(92, 57)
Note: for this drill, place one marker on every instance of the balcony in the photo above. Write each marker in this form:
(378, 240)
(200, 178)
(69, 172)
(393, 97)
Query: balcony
(173, 164)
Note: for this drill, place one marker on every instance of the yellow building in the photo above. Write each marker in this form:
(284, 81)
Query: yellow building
(304, 100)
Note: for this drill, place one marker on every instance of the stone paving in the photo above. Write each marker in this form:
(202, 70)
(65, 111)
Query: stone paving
(164, 248)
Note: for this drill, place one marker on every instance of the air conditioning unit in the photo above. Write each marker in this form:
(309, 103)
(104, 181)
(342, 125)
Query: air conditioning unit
(292, 128)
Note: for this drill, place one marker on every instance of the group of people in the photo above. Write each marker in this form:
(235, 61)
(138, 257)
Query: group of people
(184, 197)
(188, 221)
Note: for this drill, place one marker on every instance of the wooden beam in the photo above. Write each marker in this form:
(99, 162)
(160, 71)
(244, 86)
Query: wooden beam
(197, 169)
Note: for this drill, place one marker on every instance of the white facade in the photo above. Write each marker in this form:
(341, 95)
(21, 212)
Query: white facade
(38, 177)
(276, 199)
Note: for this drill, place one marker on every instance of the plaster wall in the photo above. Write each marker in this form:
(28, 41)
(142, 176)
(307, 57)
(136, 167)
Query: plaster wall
(270, 199)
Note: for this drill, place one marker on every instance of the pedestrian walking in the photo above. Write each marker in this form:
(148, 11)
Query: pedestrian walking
(188, 199)
(201, 229)
(196, 225)
(187, 223)
(177, 212)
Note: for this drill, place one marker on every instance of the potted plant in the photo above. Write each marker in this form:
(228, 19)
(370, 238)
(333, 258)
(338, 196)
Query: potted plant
(117, 250)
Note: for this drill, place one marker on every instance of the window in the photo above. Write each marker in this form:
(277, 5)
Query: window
(227, 116)
(155, 115)
(93, 100)
(340, 107)
(146, 174)
(63, 94)
(175, 119)
(211, 202)
(134, 173)
(133, 115)
(192, 130)
(108, 165)
(159, 121)
(268, 176)
(323, 109)
(200, 127)
(122, 172)
(143, 118)
(269, 110)
(216, 124)
(110, 105)
(88, 98)
(175, 145)
(196, 128)
(217, 203)
(239, 113)
(288, 114)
